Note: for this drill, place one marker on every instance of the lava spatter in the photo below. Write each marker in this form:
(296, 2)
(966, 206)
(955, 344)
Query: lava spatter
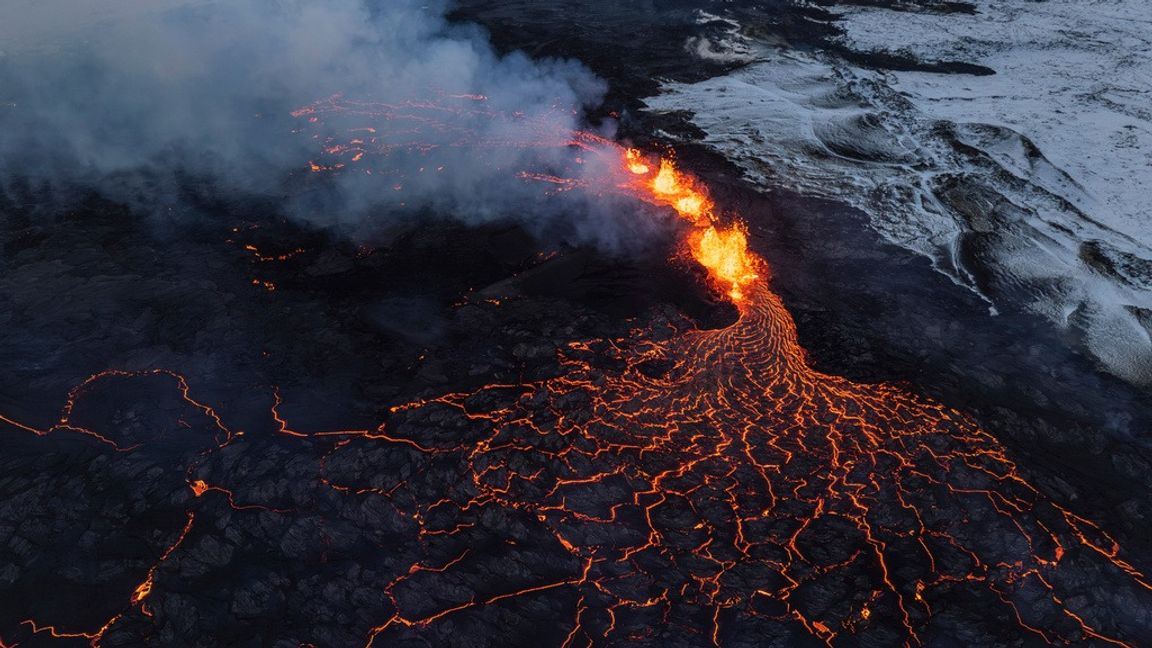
(707, 483)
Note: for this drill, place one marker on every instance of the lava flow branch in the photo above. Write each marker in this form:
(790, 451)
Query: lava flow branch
(773, 462)
(692, 487)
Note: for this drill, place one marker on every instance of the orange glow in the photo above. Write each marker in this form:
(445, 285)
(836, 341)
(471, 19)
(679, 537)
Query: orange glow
(724, 252)
(721, 250)
(199, 487)
(145, 588)
(679, 191)
(665, 182)
(636, 164)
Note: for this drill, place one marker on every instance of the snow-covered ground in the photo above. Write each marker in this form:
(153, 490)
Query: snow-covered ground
(1075, 76)
(1030, 186)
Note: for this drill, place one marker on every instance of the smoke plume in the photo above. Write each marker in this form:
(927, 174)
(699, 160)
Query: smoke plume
(140, 101)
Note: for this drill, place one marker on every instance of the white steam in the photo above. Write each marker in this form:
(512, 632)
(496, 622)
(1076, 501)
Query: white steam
(139, 102)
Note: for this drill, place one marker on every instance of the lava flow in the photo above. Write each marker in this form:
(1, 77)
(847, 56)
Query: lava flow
(674, 487)
(740, 472)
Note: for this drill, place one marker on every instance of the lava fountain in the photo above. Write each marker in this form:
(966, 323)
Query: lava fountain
(721, 251)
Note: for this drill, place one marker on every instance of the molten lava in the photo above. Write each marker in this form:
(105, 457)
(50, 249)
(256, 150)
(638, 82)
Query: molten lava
(722, 251)
(725, 254)
(635, 162)
(673, 188)
(723, 494)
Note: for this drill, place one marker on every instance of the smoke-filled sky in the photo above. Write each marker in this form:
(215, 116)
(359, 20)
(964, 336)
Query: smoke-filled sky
(137, 97)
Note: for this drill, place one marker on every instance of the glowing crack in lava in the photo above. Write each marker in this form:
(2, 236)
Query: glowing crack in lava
(707, 481)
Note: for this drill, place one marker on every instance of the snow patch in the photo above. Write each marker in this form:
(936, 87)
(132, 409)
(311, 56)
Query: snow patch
(1028, 186)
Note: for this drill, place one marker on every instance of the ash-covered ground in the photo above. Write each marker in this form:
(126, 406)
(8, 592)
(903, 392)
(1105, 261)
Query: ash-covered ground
(255, 463)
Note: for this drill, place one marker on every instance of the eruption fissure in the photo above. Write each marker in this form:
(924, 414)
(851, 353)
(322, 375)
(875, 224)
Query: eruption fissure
(694, 478)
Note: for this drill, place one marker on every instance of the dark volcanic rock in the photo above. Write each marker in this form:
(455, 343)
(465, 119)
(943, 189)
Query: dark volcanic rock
(446, 437)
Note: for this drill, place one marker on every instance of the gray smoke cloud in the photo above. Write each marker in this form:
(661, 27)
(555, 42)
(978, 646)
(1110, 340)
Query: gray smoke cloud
(139, 100)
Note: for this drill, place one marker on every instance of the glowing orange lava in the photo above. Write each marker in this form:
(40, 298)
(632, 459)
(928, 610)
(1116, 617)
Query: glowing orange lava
(725, 254)
(742, 419)
(723, 251)
(688, 480)
(676, 190)
(635, 162)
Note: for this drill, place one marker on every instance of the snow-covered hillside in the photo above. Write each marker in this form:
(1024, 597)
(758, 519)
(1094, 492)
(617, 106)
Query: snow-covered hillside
(1030, 186)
